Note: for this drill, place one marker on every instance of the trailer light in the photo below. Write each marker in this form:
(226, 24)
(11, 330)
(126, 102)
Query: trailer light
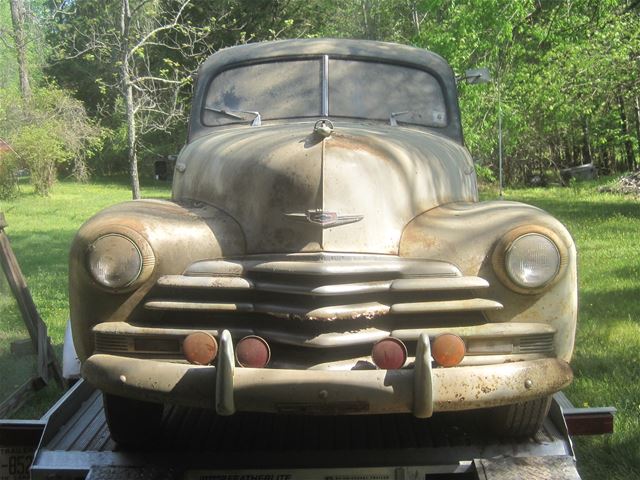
(253, 352)
(448, 350)
(200, 348)
(389, 354)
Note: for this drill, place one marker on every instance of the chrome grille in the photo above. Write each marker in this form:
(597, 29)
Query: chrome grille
(542, 343)
(163, 345)
(323, 287)
(109, 343)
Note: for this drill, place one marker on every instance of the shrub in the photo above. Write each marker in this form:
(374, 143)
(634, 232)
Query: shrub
(485, 174)
(41, 150)
(8, 176)
(51, 133)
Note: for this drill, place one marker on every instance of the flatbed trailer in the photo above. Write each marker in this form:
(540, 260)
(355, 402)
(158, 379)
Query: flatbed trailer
(74, 443)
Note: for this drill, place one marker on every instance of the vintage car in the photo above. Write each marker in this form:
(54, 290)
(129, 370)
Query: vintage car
(324, 252)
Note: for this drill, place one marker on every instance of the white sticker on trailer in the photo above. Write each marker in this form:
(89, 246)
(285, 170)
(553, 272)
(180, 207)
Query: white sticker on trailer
(15, 462)
(375, 473)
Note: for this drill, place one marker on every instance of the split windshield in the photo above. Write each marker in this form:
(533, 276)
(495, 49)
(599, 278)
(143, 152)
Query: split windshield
(325, 87)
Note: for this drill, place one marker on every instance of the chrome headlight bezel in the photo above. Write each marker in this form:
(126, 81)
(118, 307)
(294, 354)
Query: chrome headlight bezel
(505, 248)
(140, 254)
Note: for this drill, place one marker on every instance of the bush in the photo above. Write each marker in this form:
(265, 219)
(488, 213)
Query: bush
(41, 150)
(8, 176)
(51, 133)
(485, 174)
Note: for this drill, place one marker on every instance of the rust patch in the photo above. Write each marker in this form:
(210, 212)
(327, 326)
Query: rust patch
(350, 142)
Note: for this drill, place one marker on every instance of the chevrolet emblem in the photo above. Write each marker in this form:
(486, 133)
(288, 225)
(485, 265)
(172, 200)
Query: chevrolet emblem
(324, 219)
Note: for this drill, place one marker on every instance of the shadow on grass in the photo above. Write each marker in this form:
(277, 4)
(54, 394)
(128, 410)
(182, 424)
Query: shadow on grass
(620, 302)
(43, 249)
(575, 210)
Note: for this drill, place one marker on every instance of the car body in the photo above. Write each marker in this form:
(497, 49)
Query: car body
(326, 211)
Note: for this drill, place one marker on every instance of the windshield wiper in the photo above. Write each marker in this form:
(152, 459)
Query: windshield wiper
(393, 115)
(257, 119)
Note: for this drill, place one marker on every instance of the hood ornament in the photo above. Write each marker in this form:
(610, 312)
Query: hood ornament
(323, 127)
(324, 218)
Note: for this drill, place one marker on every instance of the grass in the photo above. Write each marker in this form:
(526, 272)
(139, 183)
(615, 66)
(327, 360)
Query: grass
(606, 228)
(606, 364)
(40, 230)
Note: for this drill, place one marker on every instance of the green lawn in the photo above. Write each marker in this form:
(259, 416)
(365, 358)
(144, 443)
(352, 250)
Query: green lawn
(606, 363)
(40, 230)
(606, 228)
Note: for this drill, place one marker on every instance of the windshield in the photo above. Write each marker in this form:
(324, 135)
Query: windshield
(275, 90)
(355, 89)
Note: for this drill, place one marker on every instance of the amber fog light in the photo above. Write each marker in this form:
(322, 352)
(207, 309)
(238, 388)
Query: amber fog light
(253, 352)
(389, 354)
(200, 348)
(448, 350)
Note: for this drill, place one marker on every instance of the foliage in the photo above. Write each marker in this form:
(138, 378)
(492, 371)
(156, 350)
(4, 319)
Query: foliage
(565, 75)
(41, 150)
(51, 133)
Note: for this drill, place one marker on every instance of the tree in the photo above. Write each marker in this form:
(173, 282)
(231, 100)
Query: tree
(18, 14)
(140, 38)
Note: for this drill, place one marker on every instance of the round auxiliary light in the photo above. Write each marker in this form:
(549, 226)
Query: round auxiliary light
(253, 352)
(448, 350)
(532, 260)
(200, 348)
(115, 261)
(389, 354)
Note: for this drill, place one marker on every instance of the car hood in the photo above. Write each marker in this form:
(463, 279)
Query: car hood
(292, 190)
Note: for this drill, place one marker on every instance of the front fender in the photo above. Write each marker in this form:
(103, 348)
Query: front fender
(178, 234)
(468, 234)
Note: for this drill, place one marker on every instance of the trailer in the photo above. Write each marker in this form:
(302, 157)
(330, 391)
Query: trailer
(72, 441)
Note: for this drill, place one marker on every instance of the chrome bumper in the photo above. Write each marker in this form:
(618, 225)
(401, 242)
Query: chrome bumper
(421, 390)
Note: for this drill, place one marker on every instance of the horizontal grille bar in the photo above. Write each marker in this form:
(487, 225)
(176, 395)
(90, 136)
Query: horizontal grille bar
(334, 312)
(323, 264)
(398, 285)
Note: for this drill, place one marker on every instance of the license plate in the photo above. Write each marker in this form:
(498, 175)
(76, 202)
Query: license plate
(15, 462)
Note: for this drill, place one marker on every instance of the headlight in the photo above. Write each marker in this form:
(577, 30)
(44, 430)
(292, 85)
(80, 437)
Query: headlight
(532, 260)
(529, 258)
(115, 261)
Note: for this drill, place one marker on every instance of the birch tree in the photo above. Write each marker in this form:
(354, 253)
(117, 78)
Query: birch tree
(136, 38)
(18, 14)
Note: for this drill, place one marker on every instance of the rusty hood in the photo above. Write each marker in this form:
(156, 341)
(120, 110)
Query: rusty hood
(292, 190)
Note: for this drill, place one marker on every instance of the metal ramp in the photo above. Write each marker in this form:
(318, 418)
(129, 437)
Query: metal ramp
(198, 444)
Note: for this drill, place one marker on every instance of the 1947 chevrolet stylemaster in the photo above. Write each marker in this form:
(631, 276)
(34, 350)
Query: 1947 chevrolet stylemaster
(324, 252)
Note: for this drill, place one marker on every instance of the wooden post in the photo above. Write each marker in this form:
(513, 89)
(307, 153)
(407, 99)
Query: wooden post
(47, 360)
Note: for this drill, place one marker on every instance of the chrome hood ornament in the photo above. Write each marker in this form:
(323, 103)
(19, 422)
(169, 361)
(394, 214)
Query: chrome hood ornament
(324, 218)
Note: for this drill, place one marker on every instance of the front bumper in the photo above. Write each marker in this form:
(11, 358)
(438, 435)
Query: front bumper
(421, 390)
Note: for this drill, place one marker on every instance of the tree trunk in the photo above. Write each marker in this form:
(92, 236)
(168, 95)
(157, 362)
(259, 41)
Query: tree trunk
(127, 93)
(18, 14)
(605, 167)
(132, 141)
(624, 129)
(586, 143)
(568, 159)
(415, 17)
(637, 109)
